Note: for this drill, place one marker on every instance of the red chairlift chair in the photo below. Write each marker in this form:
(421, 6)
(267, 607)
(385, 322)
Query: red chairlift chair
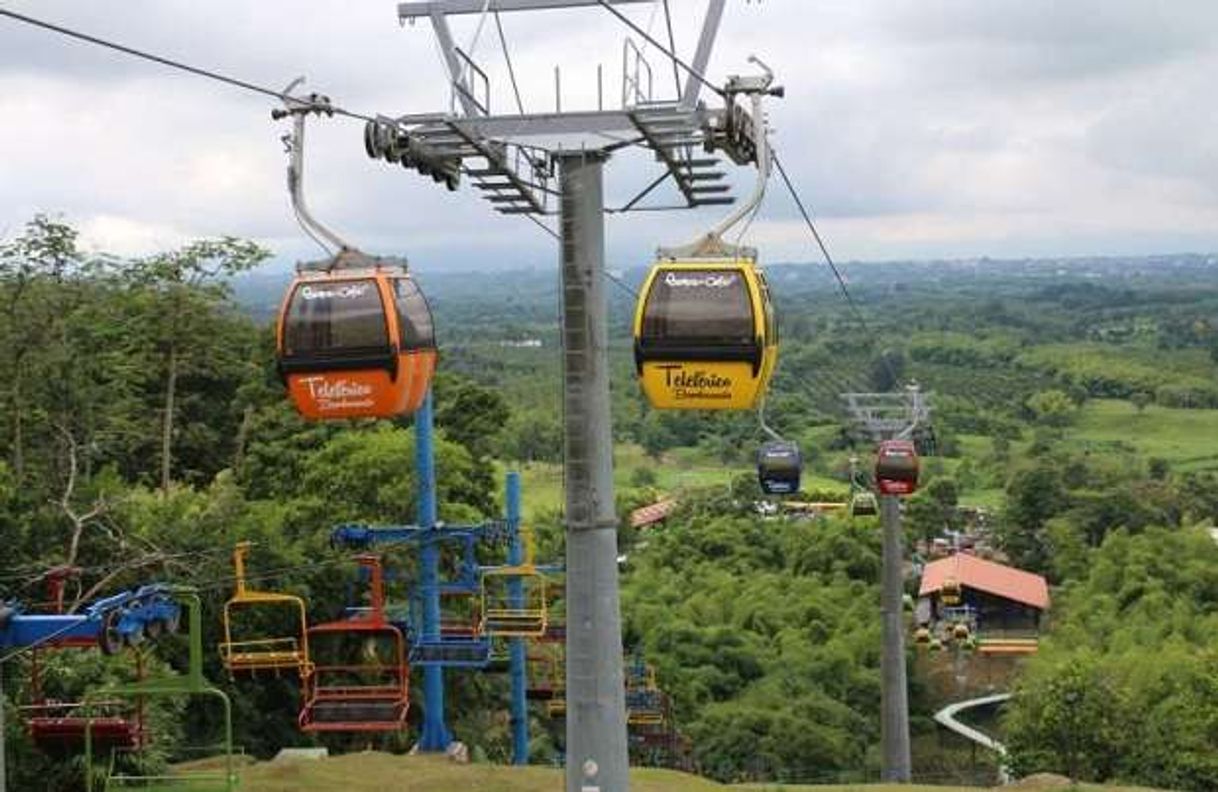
(359, 690)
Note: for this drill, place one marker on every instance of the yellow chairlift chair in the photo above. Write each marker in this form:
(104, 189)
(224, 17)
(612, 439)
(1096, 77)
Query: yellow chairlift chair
(274, 653)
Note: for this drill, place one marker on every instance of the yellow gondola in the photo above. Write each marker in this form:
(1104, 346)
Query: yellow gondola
(514, 598)
(705, 336)
(257, 654)
(704, 332)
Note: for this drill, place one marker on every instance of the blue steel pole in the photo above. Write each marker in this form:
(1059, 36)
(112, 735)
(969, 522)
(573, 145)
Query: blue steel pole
(520, 704)
(435, 735)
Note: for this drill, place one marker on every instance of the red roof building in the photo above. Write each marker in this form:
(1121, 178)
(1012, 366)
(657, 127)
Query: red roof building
(987, 576)
(1001, 597)
(648, 516)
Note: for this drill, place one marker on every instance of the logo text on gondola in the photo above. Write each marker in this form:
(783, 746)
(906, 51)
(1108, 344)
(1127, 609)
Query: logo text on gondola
(696, 384)
(338, 394)
(348, 291)
(707, 280)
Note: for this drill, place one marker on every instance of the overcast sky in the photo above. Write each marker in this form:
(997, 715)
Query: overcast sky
(915, 128)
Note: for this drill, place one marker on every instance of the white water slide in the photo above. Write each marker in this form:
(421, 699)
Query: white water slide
(946, 717)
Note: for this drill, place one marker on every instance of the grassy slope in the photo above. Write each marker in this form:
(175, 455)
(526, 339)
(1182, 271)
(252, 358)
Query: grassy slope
(1185, 438)
(377, 772)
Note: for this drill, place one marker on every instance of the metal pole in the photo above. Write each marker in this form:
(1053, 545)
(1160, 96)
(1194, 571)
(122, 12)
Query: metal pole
(894, 734)
(435, 735)
(596, 707)
(516, 646)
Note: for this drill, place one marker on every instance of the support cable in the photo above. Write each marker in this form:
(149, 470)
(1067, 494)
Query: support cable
(841, 281)
(671, 55)
(507, 56)
(672, 45)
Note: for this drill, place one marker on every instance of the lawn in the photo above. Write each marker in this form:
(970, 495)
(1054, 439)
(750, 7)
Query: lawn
(377, 772)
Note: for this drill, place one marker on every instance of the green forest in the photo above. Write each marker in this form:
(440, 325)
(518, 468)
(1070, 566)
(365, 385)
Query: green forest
(145, 431)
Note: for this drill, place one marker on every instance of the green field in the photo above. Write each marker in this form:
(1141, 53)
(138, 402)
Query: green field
(378, 772)
(1185, 438)
(678, 470)
(542, 482)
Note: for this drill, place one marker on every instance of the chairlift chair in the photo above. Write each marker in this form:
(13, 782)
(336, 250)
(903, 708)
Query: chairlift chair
(274, 653)
(644, 699)
(864, 504)
(358, 691)
(514, 603)
(950, 593)
(459, 642)
(546, 671)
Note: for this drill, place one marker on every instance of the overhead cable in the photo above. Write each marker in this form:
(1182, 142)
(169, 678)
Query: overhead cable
(171, 63)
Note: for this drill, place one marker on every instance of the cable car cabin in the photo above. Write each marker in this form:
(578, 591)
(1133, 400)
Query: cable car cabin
(356, 340)
(360, 680)
(705, 336)
(863, 504)
(896, 467)
(779, 465)
(273, 652)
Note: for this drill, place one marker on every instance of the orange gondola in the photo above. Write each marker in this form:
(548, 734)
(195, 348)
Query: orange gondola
(355, 339)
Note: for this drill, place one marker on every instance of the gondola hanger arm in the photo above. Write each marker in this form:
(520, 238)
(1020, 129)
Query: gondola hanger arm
(298, 109)
(756, 87)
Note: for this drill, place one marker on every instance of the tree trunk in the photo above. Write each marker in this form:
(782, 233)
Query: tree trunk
(247, 418)
(171, 385)
(18, 423)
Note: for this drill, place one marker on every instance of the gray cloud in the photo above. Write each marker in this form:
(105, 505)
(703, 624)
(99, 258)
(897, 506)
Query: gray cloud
(915, 127)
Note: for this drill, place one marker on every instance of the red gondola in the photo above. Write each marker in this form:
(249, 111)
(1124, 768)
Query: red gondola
(896, 467)
(360, 681)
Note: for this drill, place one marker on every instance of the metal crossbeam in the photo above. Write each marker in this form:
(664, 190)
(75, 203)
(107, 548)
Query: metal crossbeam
(889, 415)
(416, 10)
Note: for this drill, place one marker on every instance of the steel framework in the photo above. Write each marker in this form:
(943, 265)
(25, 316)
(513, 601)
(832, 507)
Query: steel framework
(886, 416)
(553, 163)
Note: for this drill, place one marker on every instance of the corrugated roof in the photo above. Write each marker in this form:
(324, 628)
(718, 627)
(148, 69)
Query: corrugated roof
(988, 576)
(650, 515)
